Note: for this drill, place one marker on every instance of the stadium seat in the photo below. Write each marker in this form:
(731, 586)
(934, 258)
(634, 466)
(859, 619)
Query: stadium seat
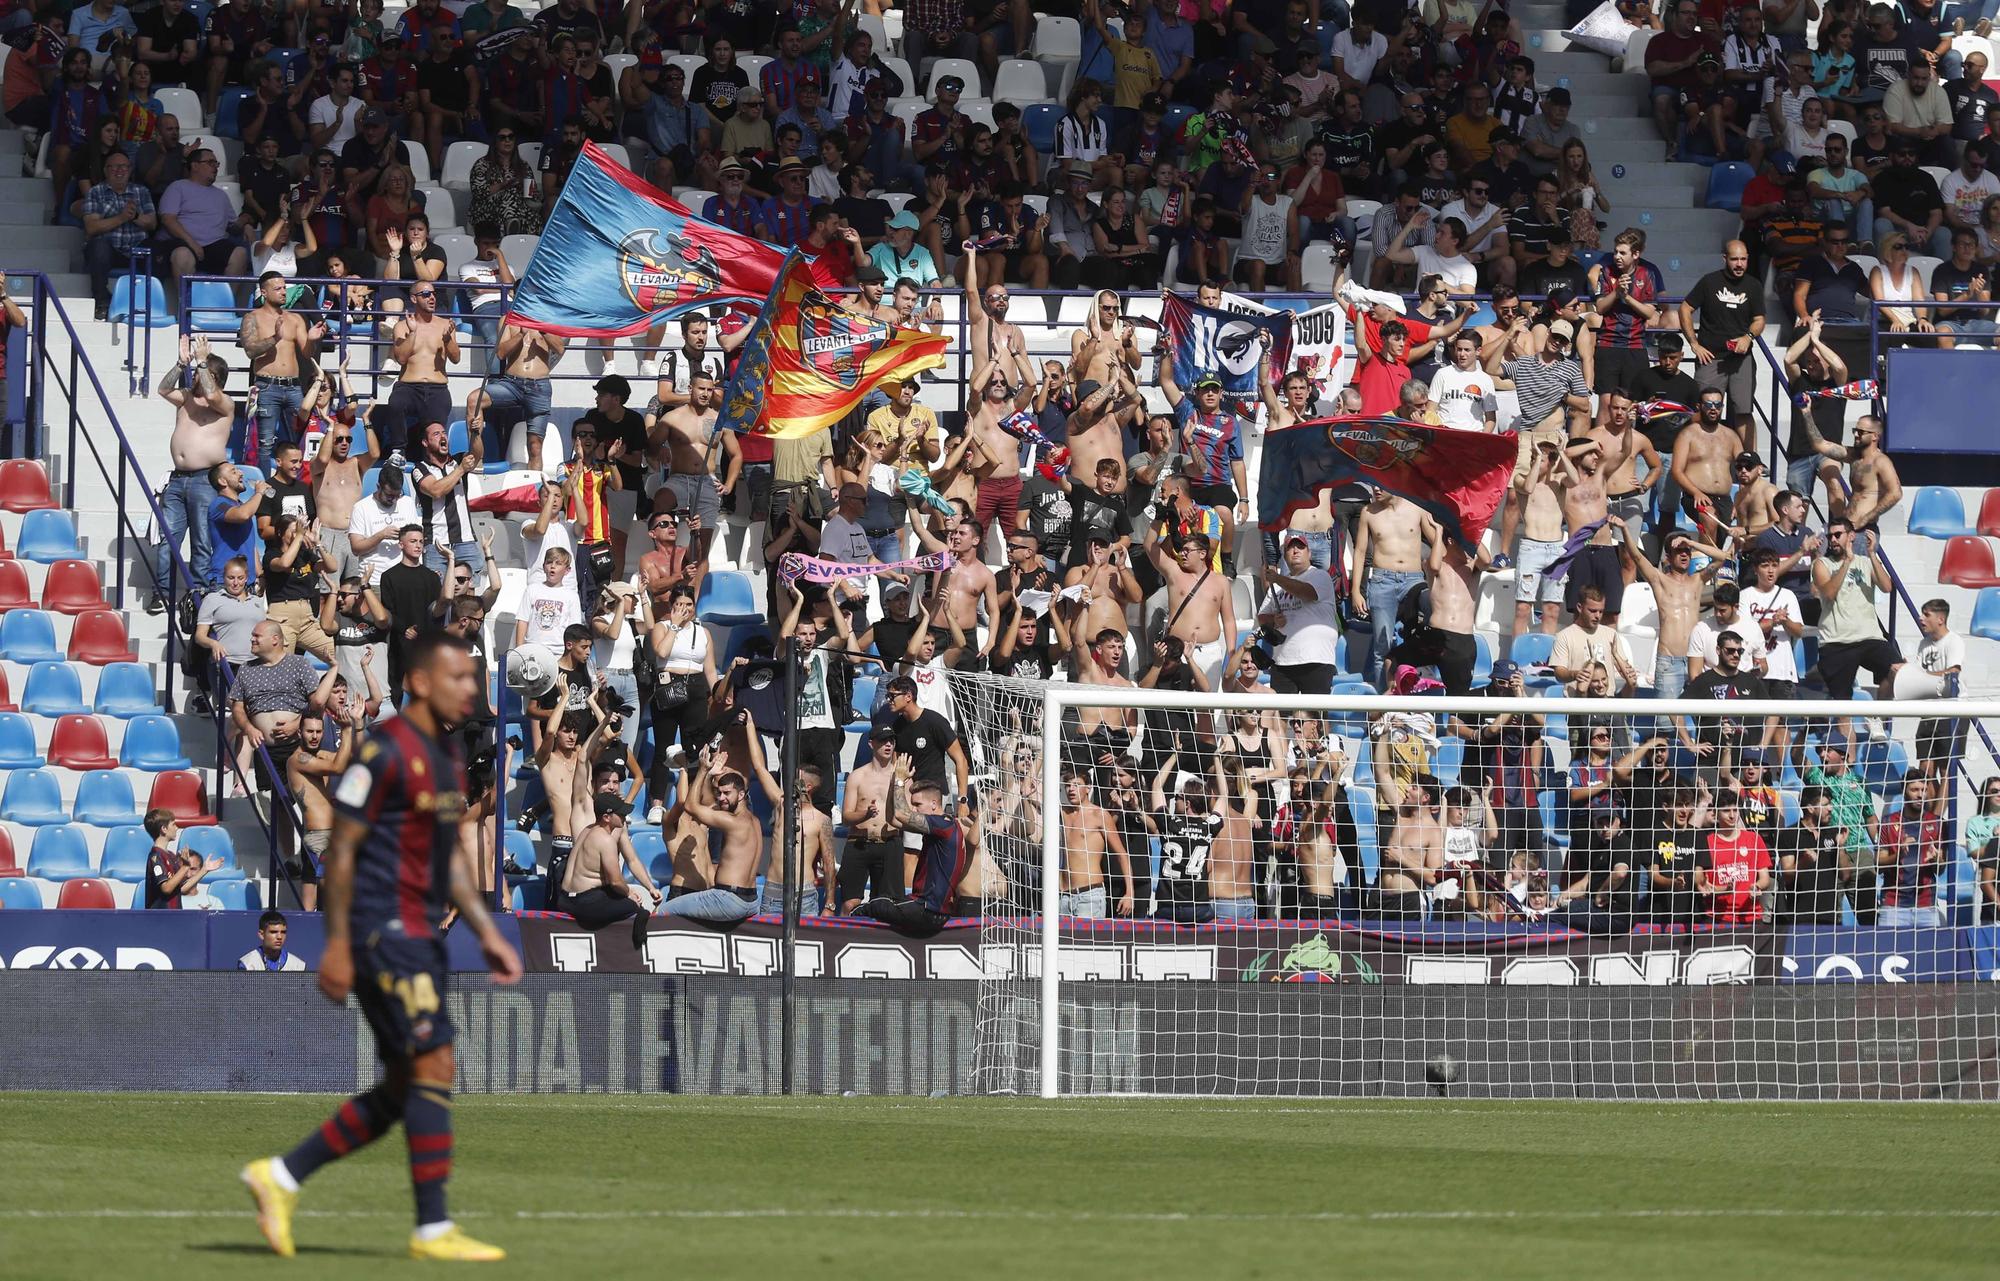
(28, 636)
(59, 853)
(14, 590)
(10, 864)
(1726, 182)
(152, 743)
(98, 638)
(124, 690)
(459, 157)
(1968, 562)
(1938, 513)
(48, 536)
(963, 68)
(19, 895)
(1057, 39)
(24, 486)
(728, 597)
(212, 307)
(1039, 121)
(33, 799)
(180, 792)
(1482, 659)
(520, 250)
(1532, 648)
(7, 703)
(1021, 81)
(125, 852)
(1450, 760)
(80, 743)
(54, 690)
(1317, 267)
(88, 893)
(149, 309)
(1986, 613)
(17, 743)
(235, 896)
(213, 842)
(520, 847)
(229, 111)
(1989, 513)
(72, 587)
(104, 799)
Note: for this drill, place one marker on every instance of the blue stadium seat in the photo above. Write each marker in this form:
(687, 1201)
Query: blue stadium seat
(1726, 182)
(17, 743)
(124, 690)
(146, 302)
(456, 439)
(1038, 121)
(104, 799)
(215, 842)
(650, 845)
(29, 636)
(152, 743)
(1552, 818)
(59, 853)
(125, 852)
(48, 536)
(521, 848)
(1788, 807)
(1532, 649)
(1361, 802)
(1939, 513)
(1985, 614)
(33, 799)
(54, 689)
(1482, 659)
(530, 895)
(235, 896)
(864, 701)
(212, 307)
(18, 894)
(728, 597)
(1450, 760)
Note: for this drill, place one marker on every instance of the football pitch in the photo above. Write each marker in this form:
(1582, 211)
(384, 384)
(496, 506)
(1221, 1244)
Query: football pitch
(138, 1186)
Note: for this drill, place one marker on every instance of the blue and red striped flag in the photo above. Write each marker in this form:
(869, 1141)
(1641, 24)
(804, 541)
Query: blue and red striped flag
(619, 255)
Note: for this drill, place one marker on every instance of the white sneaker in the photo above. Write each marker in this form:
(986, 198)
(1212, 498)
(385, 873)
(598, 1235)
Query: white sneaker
(657, 814)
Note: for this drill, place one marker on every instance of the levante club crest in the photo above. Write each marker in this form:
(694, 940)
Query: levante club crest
(836, 342)
(1376, 445)
(665, 268)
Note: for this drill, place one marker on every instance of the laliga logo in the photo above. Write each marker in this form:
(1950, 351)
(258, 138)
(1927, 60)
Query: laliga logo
(662, 268)
(1376, 446)
(837, 342)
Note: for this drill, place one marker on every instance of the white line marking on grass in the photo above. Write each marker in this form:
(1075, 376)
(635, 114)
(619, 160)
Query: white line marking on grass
(1069, 1216)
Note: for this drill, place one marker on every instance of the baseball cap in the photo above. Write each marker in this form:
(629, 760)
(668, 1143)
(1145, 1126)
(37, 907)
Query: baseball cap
(904, 219)
(652, 58)
(1153, 102)
(1755, 756)
(1558, 95)
(612, 384)
(1207, 380)
(1837, 743)
(374, 116)
(1707, 59)
(882, 733)
(1562, 328)
(609, 803)
(894, 589)
(1505, 669)
(1748, 459)
(1294, 536)
(950, 84)
(1561, 296)
(1507, 136)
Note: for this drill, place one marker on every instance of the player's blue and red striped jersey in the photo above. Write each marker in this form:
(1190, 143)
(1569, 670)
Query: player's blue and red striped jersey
(941, 862)
(410, 791)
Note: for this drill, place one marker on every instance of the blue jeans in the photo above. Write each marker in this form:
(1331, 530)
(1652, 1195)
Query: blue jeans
(711, 905)
(1235, 909)
(626, 686)
(888, 548)
(1938, 246)
(184, 508)
(1384, 593)
(1800, 474)
(524, 399)
(277, 408)
(1666, 496)
(771, 901)
(1670, 675)
(1319, 546)
(1858, 218)
(485, 320)
(466, 554)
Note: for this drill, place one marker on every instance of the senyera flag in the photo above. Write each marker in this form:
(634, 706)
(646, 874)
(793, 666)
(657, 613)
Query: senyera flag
(1458, 477)
(619, 255)
(809, 361)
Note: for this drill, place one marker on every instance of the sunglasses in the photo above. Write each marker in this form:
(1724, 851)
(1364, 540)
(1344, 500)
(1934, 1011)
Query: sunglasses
(423, 293)
(666, 522)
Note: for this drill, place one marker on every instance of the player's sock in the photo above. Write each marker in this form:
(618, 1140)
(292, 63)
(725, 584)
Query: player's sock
(357, 1123)
(427, 1126)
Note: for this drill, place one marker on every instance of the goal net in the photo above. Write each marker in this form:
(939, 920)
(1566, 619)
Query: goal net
(1525, 896)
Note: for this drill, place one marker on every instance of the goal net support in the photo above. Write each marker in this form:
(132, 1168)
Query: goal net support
(1345, 895)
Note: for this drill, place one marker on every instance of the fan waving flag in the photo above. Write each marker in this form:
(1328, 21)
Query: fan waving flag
(809, 361)
(618, 256)
(1457, 477)
(1206, 341)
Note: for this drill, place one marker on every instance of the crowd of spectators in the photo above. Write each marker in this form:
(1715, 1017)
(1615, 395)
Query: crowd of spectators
(1637, 472)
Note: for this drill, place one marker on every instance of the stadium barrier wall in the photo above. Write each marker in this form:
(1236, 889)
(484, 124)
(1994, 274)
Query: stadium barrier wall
(615, 1034)
(1316, 952)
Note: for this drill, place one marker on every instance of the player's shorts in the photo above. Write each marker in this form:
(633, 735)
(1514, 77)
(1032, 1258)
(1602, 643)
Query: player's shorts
(400, 983)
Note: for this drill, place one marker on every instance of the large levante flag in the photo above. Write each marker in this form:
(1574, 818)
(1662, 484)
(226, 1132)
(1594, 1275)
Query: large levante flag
(618, 255)
(809, 361)
(1458, 477)
(1204, 340)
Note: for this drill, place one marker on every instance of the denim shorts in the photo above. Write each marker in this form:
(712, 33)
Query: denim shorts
(1530, 568)
(1235, 909)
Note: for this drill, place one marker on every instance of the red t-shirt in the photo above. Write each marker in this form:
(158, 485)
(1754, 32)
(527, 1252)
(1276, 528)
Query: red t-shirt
(1380, 383)
(1734, 863)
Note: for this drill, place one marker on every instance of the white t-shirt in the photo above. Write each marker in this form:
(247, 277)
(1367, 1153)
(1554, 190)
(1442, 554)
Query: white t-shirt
(844, 541)
(547, 611)
(1464, 398)
(1312, 628)
(1359, 62)
(1758, 606)
(1496, 222)
(323, 112)
(477, 271)
(1701, 643)
(1968, 196)
(369, 518)
(1925, 678)
(1266, 229)
(1460, 276)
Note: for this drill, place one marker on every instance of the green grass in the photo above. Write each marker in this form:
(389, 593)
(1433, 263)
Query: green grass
(617, 1187)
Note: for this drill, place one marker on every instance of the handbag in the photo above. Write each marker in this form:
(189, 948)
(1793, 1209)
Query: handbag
(645, 663)
(673, 693)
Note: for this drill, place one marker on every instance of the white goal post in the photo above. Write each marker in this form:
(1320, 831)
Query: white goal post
(1883, 734)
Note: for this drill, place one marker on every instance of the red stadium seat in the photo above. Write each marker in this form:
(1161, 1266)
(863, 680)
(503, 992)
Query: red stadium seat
(79, 742)
(181, 792)
(10, 863)
(99, 638)
(73, 587)
(7, 703)
(24, 485)
(1968, 562)
(14, 590)
(87, 892)
(5, 552)
(1989, 514)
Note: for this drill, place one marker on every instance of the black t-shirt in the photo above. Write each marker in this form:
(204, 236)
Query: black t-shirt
(358, 155)
(1437, 190)
(1400, 133)
(288, 498)
(1095, 513)
(572, 690)
(1836, 293)
(299, 583)
(1347, 148)
(1027, 662)
(1724, 308)
(1814, 887)
(1644, 796)
(167, 34)
(1908, 190)
(1542, 278)
(632, 430)
(1956, 285)
(446, 82)
(716, 90)
(406, 262)
(867, 216)
(1880, 65)
(160, 864)
(924, 741)
(265, 185)
(1508, 185)
(1676, 851)
(1655, 383)
(1713, 684)
(408, 592)
(1973, 107)
(1050, 510)
(892, 638)
(1864, 155)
